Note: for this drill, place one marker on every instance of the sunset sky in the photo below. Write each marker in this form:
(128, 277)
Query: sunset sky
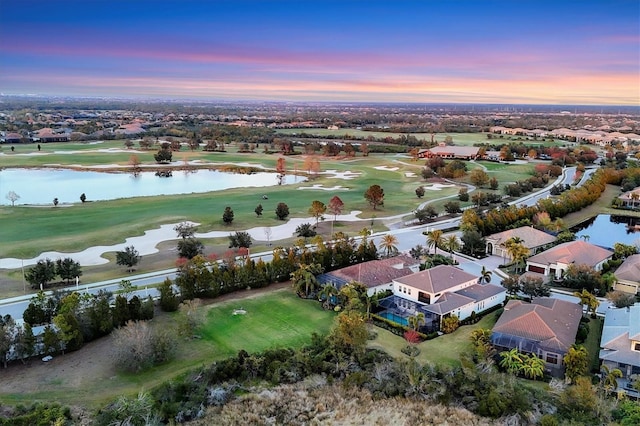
(538, 51)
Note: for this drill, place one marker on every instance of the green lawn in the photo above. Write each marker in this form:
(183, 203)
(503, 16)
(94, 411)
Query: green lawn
(592, 344)
(443, 350)
(278, 319)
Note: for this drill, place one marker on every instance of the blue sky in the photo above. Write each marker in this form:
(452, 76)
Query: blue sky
(548, 52)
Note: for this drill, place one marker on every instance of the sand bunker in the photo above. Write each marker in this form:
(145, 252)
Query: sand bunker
(409, 174)
(346, 175)
(438, 186)
(322, 188)
(387, 168)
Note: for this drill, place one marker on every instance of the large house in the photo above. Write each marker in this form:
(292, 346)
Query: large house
(532, 238)
(437, 293)
(451, 152)
(628, 275)
(554, 262)
(376, 275)
(620, 342)
(631, 199)
(545, 327)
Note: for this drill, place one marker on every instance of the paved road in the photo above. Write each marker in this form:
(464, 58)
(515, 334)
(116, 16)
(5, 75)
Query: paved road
(408, 237)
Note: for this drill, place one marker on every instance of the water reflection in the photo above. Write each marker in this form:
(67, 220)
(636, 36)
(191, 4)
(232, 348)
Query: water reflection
(40, 186)
(606, 230)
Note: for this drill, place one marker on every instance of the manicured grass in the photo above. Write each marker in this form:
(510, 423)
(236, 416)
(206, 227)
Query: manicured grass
(592, 344)
(443, 350)
(278, 319)
(601, 206)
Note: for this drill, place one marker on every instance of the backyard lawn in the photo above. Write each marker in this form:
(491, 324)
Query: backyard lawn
(277, 319)
(443, 350)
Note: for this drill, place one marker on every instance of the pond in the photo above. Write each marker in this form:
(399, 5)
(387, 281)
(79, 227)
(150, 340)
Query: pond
(605, 230)
(41, 186)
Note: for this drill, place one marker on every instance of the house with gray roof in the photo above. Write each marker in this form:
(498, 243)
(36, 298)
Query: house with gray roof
(554, 262)
(628, 275)
(545, 327)
(620, 343)
(437, 293)
(532, 238)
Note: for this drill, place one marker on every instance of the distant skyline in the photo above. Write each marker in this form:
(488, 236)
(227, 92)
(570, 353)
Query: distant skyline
(517, 52)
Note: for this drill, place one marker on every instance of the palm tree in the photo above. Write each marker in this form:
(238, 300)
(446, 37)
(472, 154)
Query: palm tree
(389, 243)
(516, 250)
(452, 243)
(609, 378)
(434, 239)
(328, 291)
(634, 197)
(511, 360)
(417, 320)
(485, 275)
(304, 279)
(533, 367)
(587, 299)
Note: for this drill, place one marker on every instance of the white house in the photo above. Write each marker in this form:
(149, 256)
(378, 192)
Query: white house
(440, 292)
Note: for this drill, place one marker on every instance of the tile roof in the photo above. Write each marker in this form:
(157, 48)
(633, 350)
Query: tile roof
(437, 280)
(375, 272)
(480, 292)
(448, 302)
(552, 323)
(620, 327)
(579, 252)
(629, 270)
(530, 236)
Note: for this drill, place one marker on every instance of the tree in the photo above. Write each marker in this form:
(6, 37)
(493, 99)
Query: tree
(389, 244)
(68, 269)
(479, 177)
(375, 196)
(512, 285)
(580, 276)
(335, 206)
(610, 377)
(493, 183)
(240, 239)
(420, 191)
(7, 333)
(327, 294)
(304, 278)
(588, 300)
(40, 274)
(452, 243)
(426, 213)
(139, 346)
(620, 299)
(129, 257)
(317, 210)
(55, 202)
(190, 317)
(463, 195)
(83, 197)
(282, 211)
(164, 155)
(258, 210)
(190, 248)
(227, 215)
(169, 300)
(25, 342)
(185, 230)
(13, 197)
(533, 366)
(450, 324)
(485, 275)
(417, 320)
(534, 287)
(576, 362)
(304, 230)
(511, 361)
(474, 242)
(452, 207)
(350, 332)
(516, 250)
(435, 239)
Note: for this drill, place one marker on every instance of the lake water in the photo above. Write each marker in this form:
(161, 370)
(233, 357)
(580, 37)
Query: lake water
(606, 230)
(41, 186)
